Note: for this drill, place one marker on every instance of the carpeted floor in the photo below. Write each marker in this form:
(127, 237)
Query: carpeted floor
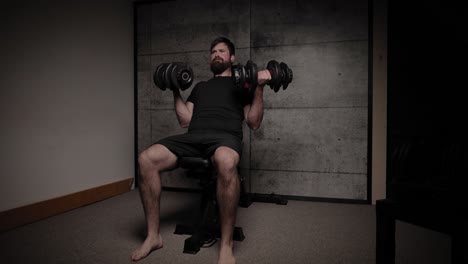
(300, 232)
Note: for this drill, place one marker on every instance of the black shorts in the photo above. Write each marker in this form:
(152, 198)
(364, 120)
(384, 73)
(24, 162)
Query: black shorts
(201, 143)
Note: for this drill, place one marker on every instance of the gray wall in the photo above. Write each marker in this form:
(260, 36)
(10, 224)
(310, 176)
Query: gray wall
(313, 140)
(66, 98)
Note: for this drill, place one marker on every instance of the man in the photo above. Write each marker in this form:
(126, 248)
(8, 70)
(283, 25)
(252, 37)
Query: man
(213, 113)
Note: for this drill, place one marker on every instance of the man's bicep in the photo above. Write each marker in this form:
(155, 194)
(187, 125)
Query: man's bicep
(190, 105)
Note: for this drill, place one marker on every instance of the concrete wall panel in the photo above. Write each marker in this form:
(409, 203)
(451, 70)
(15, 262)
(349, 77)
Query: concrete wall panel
(282, 22)
(144, 130)
(322, 185)
(331, 140)
(324, 75)
(145, 90)
(181, 26)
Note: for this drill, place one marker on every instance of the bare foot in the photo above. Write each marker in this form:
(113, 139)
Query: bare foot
(226, 256)
(150, 244)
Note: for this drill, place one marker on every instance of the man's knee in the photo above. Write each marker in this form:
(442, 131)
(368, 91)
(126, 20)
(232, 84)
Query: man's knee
(157, 157)
(147, 157)
(226, 160)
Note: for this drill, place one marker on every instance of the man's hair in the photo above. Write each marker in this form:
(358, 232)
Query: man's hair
(229, 44)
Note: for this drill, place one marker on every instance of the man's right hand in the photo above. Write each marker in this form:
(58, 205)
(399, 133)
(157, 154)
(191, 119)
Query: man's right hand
(264, 76)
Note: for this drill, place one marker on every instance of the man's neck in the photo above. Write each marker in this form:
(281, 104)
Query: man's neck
(226, 73)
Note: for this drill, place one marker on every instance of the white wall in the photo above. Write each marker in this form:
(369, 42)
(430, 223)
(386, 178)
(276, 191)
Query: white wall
(66, 98)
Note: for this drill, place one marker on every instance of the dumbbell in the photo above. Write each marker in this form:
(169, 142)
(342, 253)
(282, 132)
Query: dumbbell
(247, 76)
(281, 75)
(175, 75)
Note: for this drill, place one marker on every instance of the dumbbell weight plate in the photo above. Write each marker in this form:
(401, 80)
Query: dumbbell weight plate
(238, 75)
(167, 76)
(276, 75)
(287, 75)
(162, 75)
(252, 77)
(181, 76)
(251, 73)
(158, 76)
(173, 75)
(185, 77)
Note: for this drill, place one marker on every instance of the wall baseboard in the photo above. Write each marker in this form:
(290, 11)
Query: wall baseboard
(31, 213)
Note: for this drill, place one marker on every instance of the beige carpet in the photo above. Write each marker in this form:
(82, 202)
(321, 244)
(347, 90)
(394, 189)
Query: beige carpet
(300, 232)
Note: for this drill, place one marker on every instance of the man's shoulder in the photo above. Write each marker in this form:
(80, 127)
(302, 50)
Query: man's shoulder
(201, 83)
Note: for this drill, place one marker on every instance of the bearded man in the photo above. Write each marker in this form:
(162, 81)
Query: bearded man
(213, 113)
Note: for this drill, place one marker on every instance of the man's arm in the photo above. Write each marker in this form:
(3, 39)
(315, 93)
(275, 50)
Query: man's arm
(184, 110)
(253, 113)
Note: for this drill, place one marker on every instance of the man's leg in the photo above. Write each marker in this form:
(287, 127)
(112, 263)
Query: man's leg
(228, 192)
(152, 161)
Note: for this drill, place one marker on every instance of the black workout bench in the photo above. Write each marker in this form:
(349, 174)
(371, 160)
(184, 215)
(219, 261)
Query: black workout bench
(207, 232)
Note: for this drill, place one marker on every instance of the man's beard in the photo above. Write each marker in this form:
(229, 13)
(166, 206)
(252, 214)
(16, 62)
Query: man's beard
(218, 66)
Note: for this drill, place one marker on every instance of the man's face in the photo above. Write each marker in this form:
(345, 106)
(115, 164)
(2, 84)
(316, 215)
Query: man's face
(221, 58)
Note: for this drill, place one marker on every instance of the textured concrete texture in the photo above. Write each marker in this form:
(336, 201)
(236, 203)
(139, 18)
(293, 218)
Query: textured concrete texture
(324, 75)
(282, 22)
(144, 130)
(145, 91)
(304, 183)
(318, 151)
(331, 140)
(181, 26)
